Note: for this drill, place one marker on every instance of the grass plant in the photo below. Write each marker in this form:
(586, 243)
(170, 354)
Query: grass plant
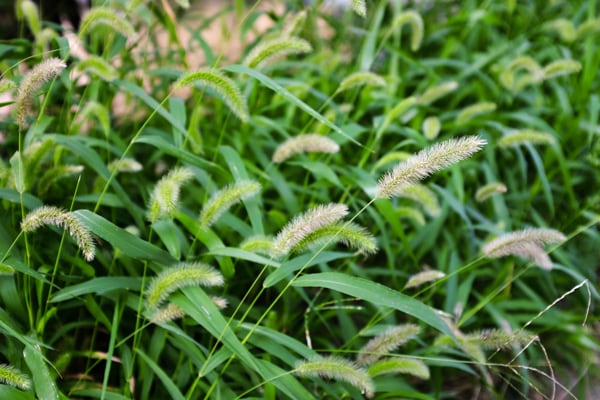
(327, 207)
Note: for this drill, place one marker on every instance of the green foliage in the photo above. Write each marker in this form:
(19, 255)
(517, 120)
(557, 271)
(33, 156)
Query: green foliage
(340, 223)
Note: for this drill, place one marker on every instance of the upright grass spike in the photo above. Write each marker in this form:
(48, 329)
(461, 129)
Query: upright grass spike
(359, 7)
(106, 17)
(388, 340)
(522, 136)
(487, 191)
(165, 196)
(222, 200)
(223, 86)
(269, 50)
(526, 243)
(416, 24)
(426, 162)
(361, 78)
(304, 224)
(423, 277)
(179, 276)
(307, 143)
(350, 234)
(49, 215)
(437, 92)
(10, 375)
(32, 82)
(400, 365)
(332, 367)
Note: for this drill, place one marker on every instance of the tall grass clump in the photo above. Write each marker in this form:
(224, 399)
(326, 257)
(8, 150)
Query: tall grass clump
(299, 201)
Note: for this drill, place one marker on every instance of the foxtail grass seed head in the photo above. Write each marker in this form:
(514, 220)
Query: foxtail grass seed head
(563, 27)
(220, 302)
(49, 215)
(425, 163)
(108, 18)
(437, 92)
(10, 375)
(258, 244)
(412, 213)
(509, 78)
(561, 67)
(475, 110)
(304, 224)
(588, 27)
(125, 165)
(522, 136)
(424, 196)
(498, 339)
(307, 143)
(348, 233)
(526, 243)
(388, 340)
(415, 21)
(167, 313)
(332, 367)
(222, 200)
(220, 84)
(400, 365)
(431, 127)
(423, 277)
(179, 276)
(97, 66)
(165, 196)
(269, 50)
(295, 25)
(489, 190)
(361, 78)
(32, 82)
(6, 85)
(359, 7)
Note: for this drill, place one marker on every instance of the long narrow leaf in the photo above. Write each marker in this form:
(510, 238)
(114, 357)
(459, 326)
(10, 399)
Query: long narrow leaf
(376, 294)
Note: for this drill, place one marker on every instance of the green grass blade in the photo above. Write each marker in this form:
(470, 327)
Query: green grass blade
(98, 286)
(173, 390)
(129, 244)
(376, 294)
(277, 88)
(43, 383)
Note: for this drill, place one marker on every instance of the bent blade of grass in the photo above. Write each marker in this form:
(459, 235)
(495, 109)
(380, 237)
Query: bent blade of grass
(171, 387)
(98, 286)
(201, 308)
(277, 88)
(303, 261)
(376, 294)
(43, 384)
(129, 244)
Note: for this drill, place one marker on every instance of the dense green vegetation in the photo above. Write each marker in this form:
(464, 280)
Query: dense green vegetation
(384, 202)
